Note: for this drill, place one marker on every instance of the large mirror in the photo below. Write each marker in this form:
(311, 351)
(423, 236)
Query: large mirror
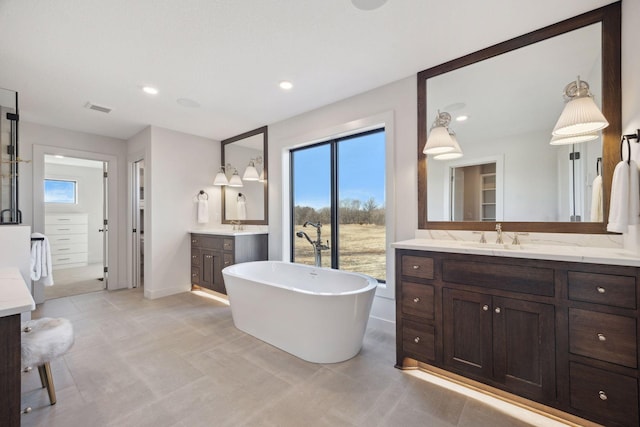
(9, 160)
(511, 95)
(245, 198)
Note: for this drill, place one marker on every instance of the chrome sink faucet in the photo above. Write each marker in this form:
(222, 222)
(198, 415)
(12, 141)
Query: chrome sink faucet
(499, 231)
(317, 244)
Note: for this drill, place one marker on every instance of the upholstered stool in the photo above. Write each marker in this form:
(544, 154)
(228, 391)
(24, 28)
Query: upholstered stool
(42, 341)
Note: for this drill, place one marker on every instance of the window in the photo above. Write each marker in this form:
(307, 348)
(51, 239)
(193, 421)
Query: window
(60, 191)
(341, 184)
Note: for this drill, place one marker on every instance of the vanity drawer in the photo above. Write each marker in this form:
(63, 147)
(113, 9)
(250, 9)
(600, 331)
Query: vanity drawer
(508, 277)
(206, 242)
(417, 300)
(419, 340)
(195, 257)
(417, 266)
(603, 336)
(608, 289)
(604, 394)
(227, 244)
(195, 275)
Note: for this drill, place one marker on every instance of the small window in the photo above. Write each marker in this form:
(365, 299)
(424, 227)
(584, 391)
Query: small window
(60, 191)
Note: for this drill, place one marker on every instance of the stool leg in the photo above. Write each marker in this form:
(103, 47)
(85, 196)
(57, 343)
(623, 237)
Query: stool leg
(43, 376)
(49, 381)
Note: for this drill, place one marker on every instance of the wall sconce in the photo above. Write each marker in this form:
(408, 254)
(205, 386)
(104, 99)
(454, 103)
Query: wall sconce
(235, 180)
(221, 177)
(581, 115)
(251, 173)
(573, 139)
(439, 141)
(456, 153)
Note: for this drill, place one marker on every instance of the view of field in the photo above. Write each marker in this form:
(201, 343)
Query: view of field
(362, 248)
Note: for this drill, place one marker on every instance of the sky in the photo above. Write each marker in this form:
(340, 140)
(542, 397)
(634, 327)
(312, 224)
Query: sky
(361, 170)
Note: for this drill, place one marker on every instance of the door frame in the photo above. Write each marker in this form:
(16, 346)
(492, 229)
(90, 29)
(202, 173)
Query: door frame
(39, 151)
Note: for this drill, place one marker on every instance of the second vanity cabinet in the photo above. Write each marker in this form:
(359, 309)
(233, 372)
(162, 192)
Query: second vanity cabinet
(563, 334)
(210, 253)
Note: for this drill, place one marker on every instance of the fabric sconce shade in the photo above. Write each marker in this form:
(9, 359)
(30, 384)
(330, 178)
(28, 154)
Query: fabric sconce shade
(221, 178)
(573, 139)
(251, 173)
(456, 153)
(235, 180)
(439, 141)
(581, 115)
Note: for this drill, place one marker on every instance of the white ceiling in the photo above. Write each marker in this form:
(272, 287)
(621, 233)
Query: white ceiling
(229, 55)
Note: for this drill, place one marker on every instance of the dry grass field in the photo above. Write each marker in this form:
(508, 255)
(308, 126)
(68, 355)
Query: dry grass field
(362, 248)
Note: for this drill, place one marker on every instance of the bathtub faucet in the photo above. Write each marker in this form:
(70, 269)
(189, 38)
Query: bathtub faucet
(317, 244)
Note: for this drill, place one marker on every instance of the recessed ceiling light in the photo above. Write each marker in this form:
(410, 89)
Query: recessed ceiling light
(150, 90)
(462, 118)
(286, 85)
(368, 4)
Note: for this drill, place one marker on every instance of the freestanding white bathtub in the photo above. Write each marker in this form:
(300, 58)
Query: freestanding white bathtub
(317, 314)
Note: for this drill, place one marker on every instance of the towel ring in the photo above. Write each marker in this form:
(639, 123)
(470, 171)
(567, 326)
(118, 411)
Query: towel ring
(622, 140)
(203, 193)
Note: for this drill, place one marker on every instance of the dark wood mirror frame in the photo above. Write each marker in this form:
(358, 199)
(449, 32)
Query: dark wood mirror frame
(610, 17)
(264, 131)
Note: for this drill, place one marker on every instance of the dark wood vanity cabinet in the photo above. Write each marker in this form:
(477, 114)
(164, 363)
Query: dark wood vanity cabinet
(558, 333)
(211, 253)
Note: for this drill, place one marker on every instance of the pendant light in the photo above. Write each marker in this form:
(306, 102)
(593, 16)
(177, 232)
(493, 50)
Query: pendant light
(573, 139)
(456, 153)
(235, 180)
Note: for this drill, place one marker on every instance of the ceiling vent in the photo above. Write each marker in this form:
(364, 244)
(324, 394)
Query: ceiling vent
(96, 107)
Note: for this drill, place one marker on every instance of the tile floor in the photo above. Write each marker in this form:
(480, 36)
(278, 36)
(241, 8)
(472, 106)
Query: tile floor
(179, 362)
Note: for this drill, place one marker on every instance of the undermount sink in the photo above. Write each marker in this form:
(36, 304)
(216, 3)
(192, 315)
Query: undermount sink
(507, 246)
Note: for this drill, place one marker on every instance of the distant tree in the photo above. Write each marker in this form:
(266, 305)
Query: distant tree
(369, 208)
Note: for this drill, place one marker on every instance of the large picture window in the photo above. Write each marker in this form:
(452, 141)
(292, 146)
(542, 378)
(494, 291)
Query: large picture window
(341, 184)
(60, 191)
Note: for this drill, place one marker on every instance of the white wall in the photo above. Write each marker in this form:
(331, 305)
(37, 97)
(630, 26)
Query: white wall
(177, 167)
(36, 141)
(90, 201)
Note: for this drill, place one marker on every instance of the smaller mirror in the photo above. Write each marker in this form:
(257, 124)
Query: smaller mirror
(245, 161)
(9, 213)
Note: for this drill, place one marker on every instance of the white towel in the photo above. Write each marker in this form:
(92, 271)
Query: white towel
(634, 194)
(41, 266)
(619, 204)
(203, 211)
(596, 199)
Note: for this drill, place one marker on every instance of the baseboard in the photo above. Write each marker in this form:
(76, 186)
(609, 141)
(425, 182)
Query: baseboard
(160, 293)
(382, 324)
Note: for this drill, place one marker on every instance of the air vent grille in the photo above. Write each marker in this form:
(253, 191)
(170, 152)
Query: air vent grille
(96, 107)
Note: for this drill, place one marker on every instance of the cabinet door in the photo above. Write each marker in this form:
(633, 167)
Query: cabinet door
(524, 347)
(207, 268)
(467, 332)
(218, 280)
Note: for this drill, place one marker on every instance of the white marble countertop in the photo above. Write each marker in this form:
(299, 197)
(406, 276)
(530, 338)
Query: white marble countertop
(227, 232)
(14, 293)
(595, 255)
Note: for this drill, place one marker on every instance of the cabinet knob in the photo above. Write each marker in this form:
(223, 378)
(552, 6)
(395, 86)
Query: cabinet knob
(603, 395)
(498, 310)
(209, 256)
(600, 289)
(485, 307)
(416, 340)
(194, 256)
(194, 275)
(415, 267)
(601, 337)
(227, 262)
(416, 299)
(194, 241)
